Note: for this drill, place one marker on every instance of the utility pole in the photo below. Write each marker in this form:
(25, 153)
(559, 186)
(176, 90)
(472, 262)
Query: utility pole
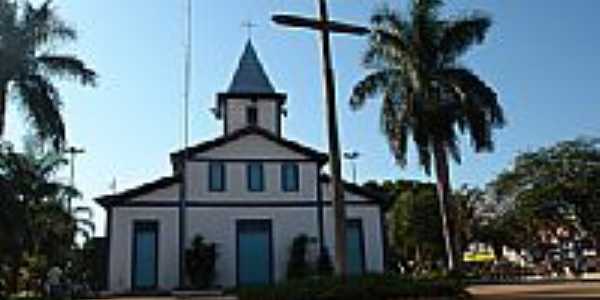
(73, 152)
(325, 27)
(186, 102)
(352, 157)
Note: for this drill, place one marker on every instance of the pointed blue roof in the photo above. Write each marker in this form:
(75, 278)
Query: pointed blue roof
(250, 76)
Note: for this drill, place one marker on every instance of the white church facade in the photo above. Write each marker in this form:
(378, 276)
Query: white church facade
(250, 191)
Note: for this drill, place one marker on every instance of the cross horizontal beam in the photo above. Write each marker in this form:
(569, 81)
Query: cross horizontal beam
(331, 26)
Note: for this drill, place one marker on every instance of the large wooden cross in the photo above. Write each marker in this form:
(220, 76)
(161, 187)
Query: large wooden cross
(325, 26)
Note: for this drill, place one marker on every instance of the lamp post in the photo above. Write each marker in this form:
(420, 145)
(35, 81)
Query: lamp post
(326, 27)
(72, 152)
(352, 157)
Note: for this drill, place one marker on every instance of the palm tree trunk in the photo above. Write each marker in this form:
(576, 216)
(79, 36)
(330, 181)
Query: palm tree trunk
(443, 188)
(3, 100)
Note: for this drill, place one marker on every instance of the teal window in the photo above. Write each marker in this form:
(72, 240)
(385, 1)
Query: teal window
(355, 251)
(256, 178)
(216, 176)
(290, 179)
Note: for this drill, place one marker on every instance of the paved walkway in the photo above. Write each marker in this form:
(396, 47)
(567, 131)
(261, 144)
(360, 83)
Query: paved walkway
(566, 291)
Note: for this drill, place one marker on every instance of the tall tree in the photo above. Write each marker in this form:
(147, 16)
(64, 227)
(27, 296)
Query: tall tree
(426, 93)
(28, 37)
(556, 186)
(34, 222)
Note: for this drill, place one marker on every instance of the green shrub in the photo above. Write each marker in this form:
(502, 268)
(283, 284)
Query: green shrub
(370, 287)
(200, 260)
(298, 267)
(324, 265)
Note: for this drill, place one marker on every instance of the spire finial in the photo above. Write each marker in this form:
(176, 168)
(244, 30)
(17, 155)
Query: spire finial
(249, 25)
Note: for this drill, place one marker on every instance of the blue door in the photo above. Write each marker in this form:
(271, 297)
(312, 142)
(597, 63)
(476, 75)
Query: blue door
(254, 252)
(355, 254)
(145, 255)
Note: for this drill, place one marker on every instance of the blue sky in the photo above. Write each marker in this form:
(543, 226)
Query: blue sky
(541, 56)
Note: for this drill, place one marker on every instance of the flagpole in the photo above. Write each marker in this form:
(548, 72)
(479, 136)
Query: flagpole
(186, 101)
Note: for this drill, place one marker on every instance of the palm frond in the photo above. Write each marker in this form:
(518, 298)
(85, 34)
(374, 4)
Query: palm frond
(480, 111)
(84, 210)
(396, 128)
(43, 26)
(67, 66)
(370, 86)
(41, 101)
(461, 34)
(390, 19)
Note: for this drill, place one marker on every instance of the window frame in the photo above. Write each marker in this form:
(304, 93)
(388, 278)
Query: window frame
(285, 185)
(254, 111)
(249, 186)
(211, 187)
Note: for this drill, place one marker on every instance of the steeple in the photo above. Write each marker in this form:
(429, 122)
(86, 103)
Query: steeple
(251, 99)
(250, 77)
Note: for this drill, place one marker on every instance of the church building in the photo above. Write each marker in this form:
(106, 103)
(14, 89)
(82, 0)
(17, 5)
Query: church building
(251, 191)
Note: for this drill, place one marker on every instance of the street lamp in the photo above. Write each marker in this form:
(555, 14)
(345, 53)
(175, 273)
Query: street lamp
(73, 152)
(352, 157)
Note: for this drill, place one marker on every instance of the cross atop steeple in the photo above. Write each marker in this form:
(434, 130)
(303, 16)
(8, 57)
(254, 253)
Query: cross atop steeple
(249, 25)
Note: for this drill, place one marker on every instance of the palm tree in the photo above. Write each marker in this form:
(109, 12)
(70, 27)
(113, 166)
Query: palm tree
(426, 93)
(28, 65)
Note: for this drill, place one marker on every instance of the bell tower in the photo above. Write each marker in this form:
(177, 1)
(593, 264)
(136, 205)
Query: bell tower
(251, 99)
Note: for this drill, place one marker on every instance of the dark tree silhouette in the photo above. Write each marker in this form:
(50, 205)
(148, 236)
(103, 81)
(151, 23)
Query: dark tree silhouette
(28, 64)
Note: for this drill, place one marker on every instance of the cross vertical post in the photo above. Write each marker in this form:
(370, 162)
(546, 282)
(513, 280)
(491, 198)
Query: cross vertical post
(325, 27)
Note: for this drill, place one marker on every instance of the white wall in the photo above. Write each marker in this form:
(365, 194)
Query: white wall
(237, 187)
(218, 225)
(250, 147)
(122, 242)
(268, 117)
(372, 233)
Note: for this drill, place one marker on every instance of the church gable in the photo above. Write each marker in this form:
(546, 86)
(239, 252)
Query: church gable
(252, 143)
(164, 189)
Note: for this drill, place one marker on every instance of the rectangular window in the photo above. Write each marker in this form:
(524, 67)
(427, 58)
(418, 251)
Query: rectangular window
(290, 181)
(216, 177)
(255, 177)
(251, 115)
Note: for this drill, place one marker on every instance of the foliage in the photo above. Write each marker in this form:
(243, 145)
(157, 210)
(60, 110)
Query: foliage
(298, 266)
(200, 262)
(547, 189)
(36, 231)
(89, 264)
(324, 264)
(370, 287)
(28, 38)
(426, 93)
(413, 226)
(417, 228)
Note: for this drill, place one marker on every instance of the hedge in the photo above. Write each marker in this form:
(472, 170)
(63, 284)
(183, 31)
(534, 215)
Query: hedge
(370, 287)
